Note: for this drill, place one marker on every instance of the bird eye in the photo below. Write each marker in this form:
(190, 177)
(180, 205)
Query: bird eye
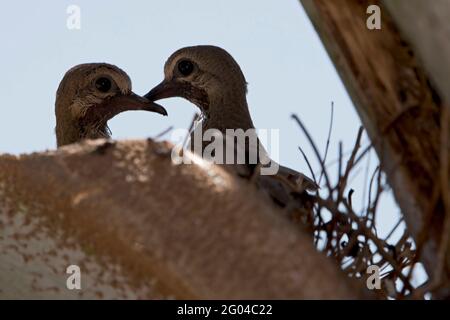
(185, 67)
(103, 84)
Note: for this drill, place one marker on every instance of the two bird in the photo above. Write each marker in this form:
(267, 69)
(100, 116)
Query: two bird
(208, 76)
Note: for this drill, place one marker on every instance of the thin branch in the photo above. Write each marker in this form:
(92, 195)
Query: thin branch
(328, 139)
(163, 133)
(350, 164)
(394, 229)
(314, 146)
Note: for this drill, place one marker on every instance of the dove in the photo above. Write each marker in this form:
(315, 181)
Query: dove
(91, 94)
(210, 78)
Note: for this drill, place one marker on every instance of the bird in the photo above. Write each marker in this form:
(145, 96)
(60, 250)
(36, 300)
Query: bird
(209, 77)
(88, 96)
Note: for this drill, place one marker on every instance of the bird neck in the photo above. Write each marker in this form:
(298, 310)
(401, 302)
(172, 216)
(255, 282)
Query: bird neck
(71, 131)
(228, 111)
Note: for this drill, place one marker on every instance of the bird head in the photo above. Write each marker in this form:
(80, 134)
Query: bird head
(91, 94)
(202, 75)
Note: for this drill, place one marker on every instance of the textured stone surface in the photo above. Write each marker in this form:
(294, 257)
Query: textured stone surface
(142, 227)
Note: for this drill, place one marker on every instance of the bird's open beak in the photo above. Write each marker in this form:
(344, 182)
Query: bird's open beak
(166, 89)
(132, 101)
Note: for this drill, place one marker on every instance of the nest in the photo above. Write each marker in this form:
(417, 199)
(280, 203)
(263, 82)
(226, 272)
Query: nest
(349, 234)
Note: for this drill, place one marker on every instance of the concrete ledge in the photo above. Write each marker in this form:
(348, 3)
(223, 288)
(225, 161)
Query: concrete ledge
(140, 227)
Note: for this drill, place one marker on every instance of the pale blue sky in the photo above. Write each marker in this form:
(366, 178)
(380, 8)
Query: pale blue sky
(280, 54)
(273, 41)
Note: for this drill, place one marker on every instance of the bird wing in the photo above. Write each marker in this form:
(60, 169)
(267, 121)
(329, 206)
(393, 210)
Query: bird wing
(285, 194)
(298, 179)
(287, 186)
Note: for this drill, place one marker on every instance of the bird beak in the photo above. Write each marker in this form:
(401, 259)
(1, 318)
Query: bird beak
(133, 101)
(166, 89)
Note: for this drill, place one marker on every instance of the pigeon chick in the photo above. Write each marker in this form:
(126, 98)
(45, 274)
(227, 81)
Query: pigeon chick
(91, 94)
(209, 77)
